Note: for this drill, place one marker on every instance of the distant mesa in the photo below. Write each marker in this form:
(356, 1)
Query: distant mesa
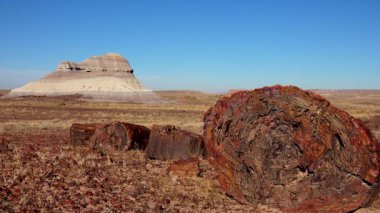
(107, 77)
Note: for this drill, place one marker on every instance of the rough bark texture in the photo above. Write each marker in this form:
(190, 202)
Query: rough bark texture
(291, 149)
(120, 136)
(81, 133)
(168, 143)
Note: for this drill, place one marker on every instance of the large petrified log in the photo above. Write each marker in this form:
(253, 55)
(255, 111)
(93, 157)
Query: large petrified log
(120, 136)
(169, 143)
(290, 148)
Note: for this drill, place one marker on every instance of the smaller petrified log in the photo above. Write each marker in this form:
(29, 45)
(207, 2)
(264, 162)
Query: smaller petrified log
(81, 133)
(168, 143)
(120, 136)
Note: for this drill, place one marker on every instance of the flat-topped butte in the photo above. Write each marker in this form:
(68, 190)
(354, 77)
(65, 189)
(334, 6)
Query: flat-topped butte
(108, 77)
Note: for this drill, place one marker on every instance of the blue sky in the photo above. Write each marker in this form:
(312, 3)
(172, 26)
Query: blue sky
(199, 45)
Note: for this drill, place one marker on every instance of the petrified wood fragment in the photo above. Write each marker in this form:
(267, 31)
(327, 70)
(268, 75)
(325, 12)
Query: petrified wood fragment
(291, 149)
(81, 133)
(188, 167)
(169, 143)
(120, 136)
(5, 146)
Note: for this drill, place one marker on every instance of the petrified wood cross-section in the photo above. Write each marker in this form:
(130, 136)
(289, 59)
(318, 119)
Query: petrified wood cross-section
(290, 148)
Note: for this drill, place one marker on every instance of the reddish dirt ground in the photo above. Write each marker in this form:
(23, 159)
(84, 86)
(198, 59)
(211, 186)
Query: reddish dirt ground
(41, 171)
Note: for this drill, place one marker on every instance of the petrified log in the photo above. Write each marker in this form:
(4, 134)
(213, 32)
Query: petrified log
(169, 143)
(120, 136)
(81, 133)
(291, 149)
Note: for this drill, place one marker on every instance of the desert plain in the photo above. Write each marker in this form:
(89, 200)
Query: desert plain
(41, 170)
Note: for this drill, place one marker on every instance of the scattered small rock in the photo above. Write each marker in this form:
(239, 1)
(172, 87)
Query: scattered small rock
(152, 204)
(148, 167)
